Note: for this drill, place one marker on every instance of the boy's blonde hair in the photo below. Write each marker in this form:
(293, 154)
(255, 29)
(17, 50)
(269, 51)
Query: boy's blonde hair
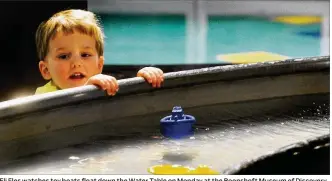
(66, 22)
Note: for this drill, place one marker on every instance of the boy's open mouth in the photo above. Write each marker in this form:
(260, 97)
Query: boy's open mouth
(77, 75)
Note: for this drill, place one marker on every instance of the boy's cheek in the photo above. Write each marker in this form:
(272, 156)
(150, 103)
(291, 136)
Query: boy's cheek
(93, 68)
(61, 71)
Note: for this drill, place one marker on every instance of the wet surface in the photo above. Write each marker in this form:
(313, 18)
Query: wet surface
(218, 144)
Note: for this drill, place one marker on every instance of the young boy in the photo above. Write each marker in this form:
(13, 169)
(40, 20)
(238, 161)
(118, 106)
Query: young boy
(70, 47)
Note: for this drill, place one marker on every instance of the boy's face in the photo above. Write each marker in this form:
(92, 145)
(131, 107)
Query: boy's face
(71, 60)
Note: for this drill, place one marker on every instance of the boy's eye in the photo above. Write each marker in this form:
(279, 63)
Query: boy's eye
(85, 55)
(63, 56)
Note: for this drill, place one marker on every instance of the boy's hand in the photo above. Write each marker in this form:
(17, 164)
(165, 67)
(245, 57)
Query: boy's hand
(106, 82)
(153, 75)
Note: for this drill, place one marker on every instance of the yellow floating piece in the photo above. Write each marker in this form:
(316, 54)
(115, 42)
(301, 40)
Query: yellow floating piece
(203, 170)
(181, 170)
(298, 20)
(169, 170)
(250, 57)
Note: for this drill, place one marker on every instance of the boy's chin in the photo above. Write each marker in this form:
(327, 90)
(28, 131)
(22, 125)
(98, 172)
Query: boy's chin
(76, 83)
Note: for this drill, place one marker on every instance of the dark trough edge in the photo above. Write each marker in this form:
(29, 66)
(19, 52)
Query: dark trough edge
(254, 166)
(137, 85)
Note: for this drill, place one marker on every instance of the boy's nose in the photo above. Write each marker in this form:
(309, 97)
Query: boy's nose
(76, 62)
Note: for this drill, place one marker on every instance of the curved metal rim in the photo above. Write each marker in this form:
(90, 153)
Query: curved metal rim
(136, 85)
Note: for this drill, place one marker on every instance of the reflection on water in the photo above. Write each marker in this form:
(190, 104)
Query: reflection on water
(178, 156)
(217, 145)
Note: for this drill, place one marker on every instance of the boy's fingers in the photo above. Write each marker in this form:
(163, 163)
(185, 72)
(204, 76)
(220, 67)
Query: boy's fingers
(161, 77)
(102, 84)
(161, 73)
(154, 77)
(113, 86)
(110, 90)
(115, 82)
(157, 77)
(97, 82)
(116, 85)
(147, 75)
(141, 73)
(107, 83)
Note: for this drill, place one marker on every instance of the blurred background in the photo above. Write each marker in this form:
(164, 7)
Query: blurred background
(171, 34)
(197, 31)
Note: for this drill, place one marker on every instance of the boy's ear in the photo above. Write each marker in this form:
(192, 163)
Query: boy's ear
(101, 64)
(43, 68)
